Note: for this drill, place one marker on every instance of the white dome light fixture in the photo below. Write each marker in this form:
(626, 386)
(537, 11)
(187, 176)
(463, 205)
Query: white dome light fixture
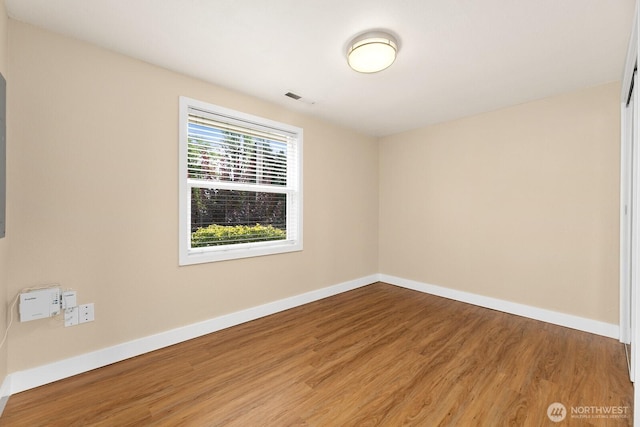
(372, 52)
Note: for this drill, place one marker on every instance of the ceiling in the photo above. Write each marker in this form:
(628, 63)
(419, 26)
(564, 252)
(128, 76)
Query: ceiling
(456, 57)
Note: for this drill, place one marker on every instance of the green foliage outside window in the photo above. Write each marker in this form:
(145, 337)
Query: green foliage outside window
(215, 235)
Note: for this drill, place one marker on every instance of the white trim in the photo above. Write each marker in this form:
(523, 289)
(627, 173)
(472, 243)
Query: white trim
(631, 57)
(567, 320)
(35, 377)
(5, 393)
(636, 404)
(294, 189)
(629, 267)
(5, 389)
(41, 375)
(625, 225)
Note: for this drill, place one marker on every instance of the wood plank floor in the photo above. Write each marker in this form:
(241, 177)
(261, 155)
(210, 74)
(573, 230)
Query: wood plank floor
(379, 355)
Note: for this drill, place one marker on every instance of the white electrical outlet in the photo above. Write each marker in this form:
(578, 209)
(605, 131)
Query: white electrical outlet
(71, 316)
(86, 313)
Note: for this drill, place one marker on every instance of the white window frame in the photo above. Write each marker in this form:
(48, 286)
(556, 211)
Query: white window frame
(293, 242)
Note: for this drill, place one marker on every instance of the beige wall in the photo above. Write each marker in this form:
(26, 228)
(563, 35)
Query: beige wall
(94, 191)
(4, 242)
(519, 204)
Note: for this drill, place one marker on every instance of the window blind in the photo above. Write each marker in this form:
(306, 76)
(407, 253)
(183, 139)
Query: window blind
(228, 152)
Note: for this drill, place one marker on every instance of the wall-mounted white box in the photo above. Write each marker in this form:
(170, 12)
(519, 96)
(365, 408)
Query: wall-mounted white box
(39, 304)
(69, 299)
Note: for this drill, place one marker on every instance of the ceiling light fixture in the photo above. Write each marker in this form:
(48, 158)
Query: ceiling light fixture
(372, 52)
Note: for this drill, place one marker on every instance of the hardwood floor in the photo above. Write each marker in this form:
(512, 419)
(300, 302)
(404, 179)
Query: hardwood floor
(379, 355)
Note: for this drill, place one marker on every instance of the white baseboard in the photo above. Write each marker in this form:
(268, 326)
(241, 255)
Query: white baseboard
(35, 377)
(5, 388)
(5, 393)
(562, 319)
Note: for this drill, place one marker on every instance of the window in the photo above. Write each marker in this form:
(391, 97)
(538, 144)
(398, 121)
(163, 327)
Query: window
(240, 185)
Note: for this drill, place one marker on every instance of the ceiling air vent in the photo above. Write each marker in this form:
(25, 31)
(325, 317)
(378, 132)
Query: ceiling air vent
(299, 98)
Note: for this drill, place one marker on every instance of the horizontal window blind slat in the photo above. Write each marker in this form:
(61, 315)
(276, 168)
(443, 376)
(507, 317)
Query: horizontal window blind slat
(203, 154)
(208, 119)
(238, 186)
(219, 138)
(216, 136)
